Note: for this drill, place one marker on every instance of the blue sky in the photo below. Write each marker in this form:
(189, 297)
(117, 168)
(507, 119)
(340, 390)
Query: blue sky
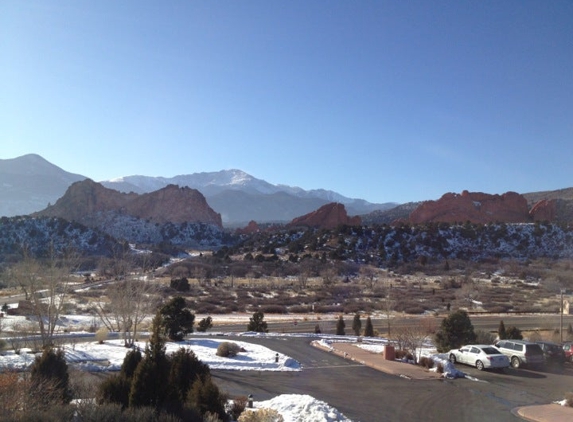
(389, 101)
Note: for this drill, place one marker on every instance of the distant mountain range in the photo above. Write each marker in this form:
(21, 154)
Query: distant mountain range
(30, 183)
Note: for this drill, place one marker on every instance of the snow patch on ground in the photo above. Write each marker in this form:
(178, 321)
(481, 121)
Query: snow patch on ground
(301, 407)
(95, 357)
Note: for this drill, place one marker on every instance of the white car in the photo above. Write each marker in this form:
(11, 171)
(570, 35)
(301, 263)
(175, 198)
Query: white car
(482, 356)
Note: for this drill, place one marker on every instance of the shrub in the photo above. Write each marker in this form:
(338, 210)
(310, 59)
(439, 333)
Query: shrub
(328, 309)
(51, 367)
(228, 349)
(569, 398)
(535, 336)
(403, 354)
(484, 337)
(274, 309)
(114, 390)
(257, 324)
(262, 415)
(513, 333)
(205, 324)
(426, 362)
(238, 406)
(101, 335)
(299, 309)
(180, 284)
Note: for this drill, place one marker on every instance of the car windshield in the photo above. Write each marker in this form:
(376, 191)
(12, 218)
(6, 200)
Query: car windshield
(490, 351)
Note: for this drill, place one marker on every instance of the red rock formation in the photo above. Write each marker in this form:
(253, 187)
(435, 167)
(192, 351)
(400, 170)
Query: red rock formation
(85, 198)
(544, 210)
(475, 207)
(328, 216)
(170, 204)
(251, 228)
(174, 204)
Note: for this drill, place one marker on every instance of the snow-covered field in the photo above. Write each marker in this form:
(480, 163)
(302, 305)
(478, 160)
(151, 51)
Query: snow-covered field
(89, 355)
(92, 356)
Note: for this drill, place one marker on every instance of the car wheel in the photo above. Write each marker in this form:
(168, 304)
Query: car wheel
(453, 358)
(479, 365)
(515, 362)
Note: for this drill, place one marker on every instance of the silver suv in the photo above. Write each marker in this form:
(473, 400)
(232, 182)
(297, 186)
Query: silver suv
(521, 352)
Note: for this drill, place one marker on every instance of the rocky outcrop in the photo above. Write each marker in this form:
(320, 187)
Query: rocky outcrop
(250, 228)
(86, 198)
(475, 207)
(328, 216)
(174, 204)
(544, 210)
(171, 204)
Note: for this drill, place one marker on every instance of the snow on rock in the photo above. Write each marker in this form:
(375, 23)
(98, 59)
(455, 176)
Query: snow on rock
(302, 408)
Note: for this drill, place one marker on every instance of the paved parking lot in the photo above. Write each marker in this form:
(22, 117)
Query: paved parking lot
(366, 394)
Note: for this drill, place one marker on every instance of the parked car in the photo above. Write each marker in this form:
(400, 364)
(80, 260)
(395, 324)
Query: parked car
(568, 349)
(552, 352)
(521, 352)
(482, 356)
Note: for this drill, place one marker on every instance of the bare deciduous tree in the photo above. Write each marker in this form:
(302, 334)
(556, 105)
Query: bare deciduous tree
(130, 302)
(368, 274)
(328, 276)
(412, 338)
(45, 285)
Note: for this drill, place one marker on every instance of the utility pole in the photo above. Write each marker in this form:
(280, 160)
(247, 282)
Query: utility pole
(561, 318)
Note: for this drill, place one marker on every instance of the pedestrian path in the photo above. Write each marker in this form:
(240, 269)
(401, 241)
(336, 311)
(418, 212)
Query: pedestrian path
(377, 361)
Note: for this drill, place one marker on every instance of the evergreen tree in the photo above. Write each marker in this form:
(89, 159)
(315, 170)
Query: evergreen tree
(205, 324)
(340, 325)
(356, 324)
(513, 333)
(205, 397)
(148, 387)
(50, 370)
(455, 331)
(185, 368)
(501, 331)
(369, 329)
(130, 362)
(115, 389)
(177, 320)
(257, 324)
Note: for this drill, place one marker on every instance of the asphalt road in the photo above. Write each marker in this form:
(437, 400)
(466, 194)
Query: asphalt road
(327, 323)
(364, 394)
